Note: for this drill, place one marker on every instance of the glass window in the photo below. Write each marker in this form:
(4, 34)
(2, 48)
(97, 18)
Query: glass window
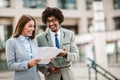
(81, 53)
(40, 29)
(67, 4)
(34, 3)
(118, 51)
(90, 25)
(113, 51)
(117, 23)
(74, 28)
(116, 4)
(86, 51)
(4, 3)
(5, 33)
(89, 4)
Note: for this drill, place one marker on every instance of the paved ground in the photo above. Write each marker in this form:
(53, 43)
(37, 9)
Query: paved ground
(78, 71)
(5, 75)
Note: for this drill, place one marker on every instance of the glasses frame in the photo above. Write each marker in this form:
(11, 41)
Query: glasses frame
(52, 21)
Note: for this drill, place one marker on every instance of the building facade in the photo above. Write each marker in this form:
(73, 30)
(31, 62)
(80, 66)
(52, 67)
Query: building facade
(102, 42)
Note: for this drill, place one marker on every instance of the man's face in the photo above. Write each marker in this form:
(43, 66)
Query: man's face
(53, 24)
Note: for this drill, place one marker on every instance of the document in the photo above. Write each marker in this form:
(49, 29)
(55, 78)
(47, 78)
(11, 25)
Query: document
(47, 53)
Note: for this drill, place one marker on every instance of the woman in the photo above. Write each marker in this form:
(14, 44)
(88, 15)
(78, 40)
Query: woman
(20, 49)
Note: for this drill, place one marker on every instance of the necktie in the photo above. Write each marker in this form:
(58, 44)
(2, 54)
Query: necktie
(57, 41)
(28, 47)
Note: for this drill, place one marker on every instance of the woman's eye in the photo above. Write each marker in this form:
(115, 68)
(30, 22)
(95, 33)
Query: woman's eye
(30, 25)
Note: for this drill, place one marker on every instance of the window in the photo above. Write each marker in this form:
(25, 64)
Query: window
(4, 3)
(90, 25)
(89, 4)
(86, 51)
(34, 3)
(117, 23)
(67, 4)
(73, 28)
(81, 53)
(116, 4)
(40, 29)
(113, 51)
(5, 33)
(118, 51)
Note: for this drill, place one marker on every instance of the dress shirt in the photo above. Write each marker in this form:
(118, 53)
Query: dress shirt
(53, 37)
(26, 43)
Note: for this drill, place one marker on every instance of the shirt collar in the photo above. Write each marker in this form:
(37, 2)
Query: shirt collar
(53, 33)
(22, 38)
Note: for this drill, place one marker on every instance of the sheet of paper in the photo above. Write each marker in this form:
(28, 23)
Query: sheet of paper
(46, 53)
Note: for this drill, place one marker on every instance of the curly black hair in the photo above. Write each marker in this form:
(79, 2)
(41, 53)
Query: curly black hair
(48, 12)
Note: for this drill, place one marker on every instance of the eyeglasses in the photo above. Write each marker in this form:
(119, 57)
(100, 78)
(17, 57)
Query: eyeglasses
(52, 20)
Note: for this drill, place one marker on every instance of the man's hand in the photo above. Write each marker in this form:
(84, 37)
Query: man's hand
(53, 69)
(52, 59)
(63, 53)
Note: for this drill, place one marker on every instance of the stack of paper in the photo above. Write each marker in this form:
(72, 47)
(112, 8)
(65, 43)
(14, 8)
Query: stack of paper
(47, 53)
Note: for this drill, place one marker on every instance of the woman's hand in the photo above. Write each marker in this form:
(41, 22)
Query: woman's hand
(33, 62)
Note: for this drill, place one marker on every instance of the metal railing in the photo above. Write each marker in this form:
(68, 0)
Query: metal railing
(100, 70)
(3, 63)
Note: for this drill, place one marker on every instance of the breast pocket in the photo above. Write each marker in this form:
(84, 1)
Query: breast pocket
(66, 46)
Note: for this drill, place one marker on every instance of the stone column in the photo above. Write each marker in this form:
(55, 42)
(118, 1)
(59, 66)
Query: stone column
(99, 19)
(100, 52)
(99, 36)
(82, 23)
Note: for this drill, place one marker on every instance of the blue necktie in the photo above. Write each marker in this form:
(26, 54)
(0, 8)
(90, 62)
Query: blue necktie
(57, 41)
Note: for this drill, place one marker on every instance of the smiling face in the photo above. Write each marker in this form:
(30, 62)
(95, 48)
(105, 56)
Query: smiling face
(28, 29)
(53, 23)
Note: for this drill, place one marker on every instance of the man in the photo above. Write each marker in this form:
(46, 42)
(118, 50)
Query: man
(55, 36)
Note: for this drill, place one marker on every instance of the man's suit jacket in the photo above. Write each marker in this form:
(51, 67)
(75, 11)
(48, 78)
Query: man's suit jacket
(67, 42)
(17, 60)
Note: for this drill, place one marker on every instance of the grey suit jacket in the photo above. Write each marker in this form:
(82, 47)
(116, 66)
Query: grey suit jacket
(67, 42)
(17, 60)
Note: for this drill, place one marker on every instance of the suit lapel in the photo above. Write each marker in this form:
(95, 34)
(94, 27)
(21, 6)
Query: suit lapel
(48, 38)
(62, 36)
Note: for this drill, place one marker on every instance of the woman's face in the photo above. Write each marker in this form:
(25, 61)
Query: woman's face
(28, 29)
(53, 24)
